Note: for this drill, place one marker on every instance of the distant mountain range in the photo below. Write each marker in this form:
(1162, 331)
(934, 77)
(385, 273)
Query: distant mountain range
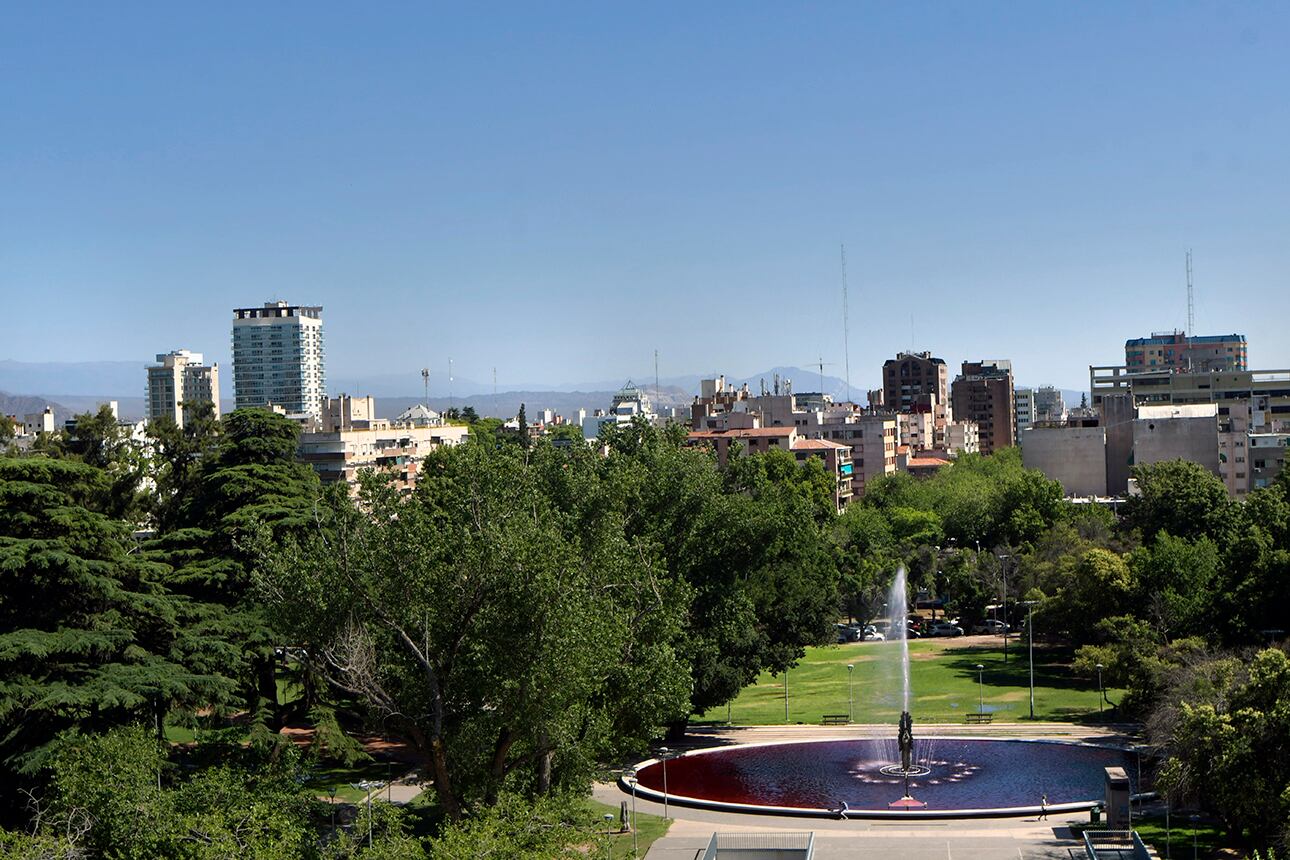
(73, 387)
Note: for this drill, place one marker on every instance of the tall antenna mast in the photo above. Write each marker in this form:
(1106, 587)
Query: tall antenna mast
(1191, 300)
(494, 381)
(425, 379)
(821, 376)
(451, 402)
(846, 327)
(656, 379)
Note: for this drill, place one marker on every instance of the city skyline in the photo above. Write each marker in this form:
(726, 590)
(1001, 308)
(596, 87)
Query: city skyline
(560, 197)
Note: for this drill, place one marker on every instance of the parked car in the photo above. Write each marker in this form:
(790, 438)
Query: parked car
(873, 634)
(991, 626)
(943, 628)
(847, 633)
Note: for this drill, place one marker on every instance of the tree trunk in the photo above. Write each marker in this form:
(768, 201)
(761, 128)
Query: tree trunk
(676, 730)
(505, 738)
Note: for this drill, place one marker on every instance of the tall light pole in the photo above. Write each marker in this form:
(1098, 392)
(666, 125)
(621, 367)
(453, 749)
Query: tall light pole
(851, 699)
(609, 820)
(1194, 820)
(786, 694)
(1100, 694)
(980, 683)
(1030, 631)
(631, 780)
(1003, 564)
(662, 753)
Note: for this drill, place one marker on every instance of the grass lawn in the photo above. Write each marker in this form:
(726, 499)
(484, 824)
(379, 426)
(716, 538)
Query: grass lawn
(650, 827)
(326, 777)
(943, 678)
(1209, 837)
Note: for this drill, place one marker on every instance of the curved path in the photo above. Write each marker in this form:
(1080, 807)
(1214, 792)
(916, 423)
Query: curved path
(977, 839)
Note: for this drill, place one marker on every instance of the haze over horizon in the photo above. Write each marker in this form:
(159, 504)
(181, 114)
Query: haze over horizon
(558, 192)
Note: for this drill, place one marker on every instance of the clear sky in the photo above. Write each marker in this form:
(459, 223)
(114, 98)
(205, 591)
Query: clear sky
(558, 189)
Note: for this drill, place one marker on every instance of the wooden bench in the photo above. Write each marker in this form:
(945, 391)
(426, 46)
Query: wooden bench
(834, 720)
(978, 719)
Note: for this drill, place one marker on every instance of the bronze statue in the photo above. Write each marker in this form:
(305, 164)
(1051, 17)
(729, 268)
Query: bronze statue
(906, 740)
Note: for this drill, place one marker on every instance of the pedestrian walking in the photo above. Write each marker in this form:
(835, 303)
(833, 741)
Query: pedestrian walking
(1043, 806)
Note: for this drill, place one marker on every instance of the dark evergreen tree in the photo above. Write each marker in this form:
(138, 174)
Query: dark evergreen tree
(89, 636)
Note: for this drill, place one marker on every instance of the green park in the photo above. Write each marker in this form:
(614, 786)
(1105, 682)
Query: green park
(205, 651)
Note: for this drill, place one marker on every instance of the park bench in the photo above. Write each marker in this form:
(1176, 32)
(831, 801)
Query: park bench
(834, 720)
(978, 719)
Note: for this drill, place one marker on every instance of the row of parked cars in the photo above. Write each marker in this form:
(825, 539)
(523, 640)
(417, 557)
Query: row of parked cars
(916, 629)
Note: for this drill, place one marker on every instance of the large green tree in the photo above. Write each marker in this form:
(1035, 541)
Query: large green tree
(499, 618)
(89, 635)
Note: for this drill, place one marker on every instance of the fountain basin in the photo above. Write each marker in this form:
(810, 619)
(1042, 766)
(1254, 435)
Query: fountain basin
(954, 776)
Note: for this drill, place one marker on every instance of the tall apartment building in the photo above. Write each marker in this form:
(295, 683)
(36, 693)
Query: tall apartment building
(178, 382)
(1023, 409)
(911, 374)
(983, 393)
(278, 358)
(1176, 350)
(1050, 405)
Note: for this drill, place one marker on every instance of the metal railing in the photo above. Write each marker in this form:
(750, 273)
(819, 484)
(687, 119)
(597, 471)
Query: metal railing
(788, 846)
(1118, 844)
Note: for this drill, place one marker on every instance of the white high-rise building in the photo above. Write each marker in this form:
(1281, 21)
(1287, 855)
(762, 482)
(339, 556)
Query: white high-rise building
(278, 358)
(1024, 404)
(178, 381)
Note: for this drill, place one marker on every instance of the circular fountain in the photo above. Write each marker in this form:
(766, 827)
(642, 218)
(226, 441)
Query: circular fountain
(900, 777)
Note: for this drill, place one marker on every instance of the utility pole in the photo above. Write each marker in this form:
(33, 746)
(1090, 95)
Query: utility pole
(846, 328)
(425, 380)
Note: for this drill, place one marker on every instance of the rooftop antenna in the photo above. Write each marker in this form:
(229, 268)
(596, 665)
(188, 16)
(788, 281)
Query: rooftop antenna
(452, 404)
(1191, 299)
(494, 381)
(656, 379)
(821, 363)
(425, 380)
(1191, 308)
(846, 328)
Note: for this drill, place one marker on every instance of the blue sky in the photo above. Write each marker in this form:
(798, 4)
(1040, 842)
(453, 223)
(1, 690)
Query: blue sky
(558, 190)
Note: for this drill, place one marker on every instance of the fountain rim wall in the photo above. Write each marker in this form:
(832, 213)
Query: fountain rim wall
(676, 799)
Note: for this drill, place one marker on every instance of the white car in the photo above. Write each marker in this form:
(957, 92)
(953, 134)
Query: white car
(991, 626)
(871, 634)
(943, 628)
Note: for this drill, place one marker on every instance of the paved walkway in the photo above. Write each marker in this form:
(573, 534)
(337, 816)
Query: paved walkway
(965, 839)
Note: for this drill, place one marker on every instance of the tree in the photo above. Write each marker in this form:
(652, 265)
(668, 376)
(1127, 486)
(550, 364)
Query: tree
(1182, 498)
(177, 456)
(246, 492)
(498, 618)
(91, 638)
(1230, 754)
(115, 795)
(1175, 583)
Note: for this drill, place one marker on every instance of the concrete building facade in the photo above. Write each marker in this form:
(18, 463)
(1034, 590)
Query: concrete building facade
(1050, 405)
(911, 374)
(1073, 455)
(178, 382)
(1176, 350)
(278, 358)
(983, 393)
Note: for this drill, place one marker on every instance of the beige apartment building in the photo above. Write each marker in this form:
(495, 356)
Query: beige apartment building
(352, 439)
(178, 382)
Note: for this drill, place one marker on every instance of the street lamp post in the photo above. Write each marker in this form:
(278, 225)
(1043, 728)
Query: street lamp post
(631, 780)
(1194, 820)
(980, 683)
(851, 699)
(368, 786)
(609, 820)
(1030, 632)
(786, 694)
(1100, 694)
(662, 754)
(1003, 564)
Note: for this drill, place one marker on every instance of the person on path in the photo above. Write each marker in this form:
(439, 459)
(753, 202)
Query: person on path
(1043, 806)
(843, 809)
